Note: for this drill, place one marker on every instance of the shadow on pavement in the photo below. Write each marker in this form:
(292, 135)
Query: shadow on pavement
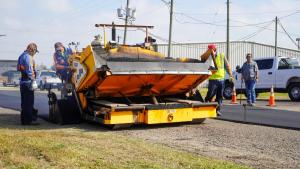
(11, 120)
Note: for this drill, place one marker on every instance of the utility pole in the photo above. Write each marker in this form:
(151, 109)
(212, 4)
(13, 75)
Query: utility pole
(276, 22)
(227, 36)
(170, 30)
(126, 21)
(298, 40)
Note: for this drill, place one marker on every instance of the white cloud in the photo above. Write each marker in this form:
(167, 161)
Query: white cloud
(56, 6)
(10, 4)
(12, 22)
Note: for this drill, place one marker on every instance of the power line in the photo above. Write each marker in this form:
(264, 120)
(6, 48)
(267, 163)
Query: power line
(287, 33)
(199, 21)
(240, 13)
(285, 16)
(255, 33)
(166, 3)
(270, 29)
(214, 21)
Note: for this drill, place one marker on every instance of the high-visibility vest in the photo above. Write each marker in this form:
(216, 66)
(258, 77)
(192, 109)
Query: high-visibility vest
(220, 74)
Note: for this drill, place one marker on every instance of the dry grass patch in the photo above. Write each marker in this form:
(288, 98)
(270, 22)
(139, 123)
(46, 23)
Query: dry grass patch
(74, 148)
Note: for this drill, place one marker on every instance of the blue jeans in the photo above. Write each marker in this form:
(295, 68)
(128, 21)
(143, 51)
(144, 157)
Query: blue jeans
(64, 75)
(27, 102)
(215, 87)
(250, 91)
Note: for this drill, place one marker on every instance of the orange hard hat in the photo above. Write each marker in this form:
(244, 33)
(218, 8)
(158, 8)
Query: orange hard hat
(212, 46)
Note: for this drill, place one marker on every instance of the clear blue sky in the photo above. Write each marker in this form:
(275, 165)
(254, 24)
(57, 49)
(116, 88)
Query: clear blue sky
(48, 21)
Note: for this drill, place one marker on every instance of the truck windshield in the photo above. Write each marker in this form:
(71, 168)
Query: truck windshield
(292, 62)
(50, 74)
(288, 63)
(17, 74)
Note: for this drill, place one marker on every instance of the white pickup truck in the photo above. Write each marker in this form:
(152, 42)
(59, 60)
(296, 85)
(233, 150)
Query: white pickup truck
(281, 72)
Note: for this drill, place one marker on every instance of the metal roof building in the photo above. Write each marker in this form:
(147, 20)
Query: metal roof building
(238, 50)
(6, 65)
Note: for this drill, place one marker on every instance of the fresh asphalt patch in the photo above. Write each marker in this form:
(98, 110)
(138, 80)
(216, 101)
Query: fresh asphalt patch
(264, 115)
(285, 115)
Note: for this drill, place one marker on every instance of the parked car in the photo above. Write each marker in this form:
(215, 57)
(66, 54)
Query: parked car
(48, 79)
(283, 73)
(12, 78)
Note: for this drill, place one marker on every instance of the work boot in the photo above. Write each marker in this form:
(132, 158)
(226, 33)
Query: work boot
(34, 114)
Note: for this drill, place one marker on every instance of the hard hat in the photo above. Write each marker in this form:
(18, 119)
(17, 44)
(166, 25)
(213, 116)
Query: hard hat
(32, 47)
(212, 46)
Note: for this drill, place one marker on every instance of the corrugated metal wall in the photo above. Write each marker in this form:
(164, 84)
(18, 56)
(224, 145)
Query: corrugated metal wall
(238, 50)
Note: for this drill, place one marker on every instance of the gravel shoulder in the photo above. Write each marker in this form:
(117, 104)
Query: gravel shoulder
(256, 146)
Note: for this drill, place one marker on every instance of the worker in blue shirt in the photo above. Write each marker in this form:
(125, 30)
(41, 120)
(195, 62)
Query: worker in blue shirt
(61, 57)
(26, 66)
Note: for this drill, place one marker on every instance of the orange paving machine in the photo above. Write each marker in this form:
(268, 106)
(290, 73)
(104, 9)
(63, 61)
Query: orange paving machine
(120, 85)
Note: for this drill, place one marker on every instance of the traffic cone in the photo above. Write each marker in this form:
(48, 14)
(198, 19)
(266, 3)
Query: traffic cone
(233, 96)
(272, 97)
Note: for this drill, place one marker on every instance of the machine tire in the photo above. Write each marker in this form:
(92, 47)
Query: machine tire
(227, 93)
(294, 92)
(41, 86)
(64, 111)
(55, 115)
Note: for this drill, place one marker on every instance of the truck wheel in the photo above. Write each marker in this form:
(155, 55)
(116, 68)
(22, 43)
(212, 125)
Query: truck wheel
(41, 86)
(64, 111)
(227, 93)
(294, 92)
(55, 115)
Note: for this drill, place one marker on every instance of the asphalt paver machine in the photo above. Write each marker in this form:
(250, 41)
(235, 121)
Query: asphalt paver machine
(120, 85)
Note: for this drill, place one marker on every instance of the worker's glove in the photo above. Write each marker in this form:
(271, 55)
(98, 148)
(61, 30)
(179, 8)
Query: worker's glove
(71, 69)
(213, 69)
(231, 79)
(34, 85)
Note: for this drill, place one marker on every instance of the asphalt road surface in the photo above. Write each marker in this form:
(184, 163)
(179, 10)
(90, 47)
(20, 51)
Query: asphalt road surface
(286, 114)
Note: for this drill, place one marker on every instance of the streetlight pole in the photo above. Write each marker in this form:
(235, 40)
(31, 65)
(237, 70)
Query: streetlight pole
(276, 22)
(298, 40)
(170, 30)
(126, 21)
(227, 36)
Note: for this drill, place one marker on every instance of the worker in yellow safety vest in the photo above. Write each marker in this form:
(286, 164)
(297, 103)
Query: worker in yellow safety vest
(216, 81)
